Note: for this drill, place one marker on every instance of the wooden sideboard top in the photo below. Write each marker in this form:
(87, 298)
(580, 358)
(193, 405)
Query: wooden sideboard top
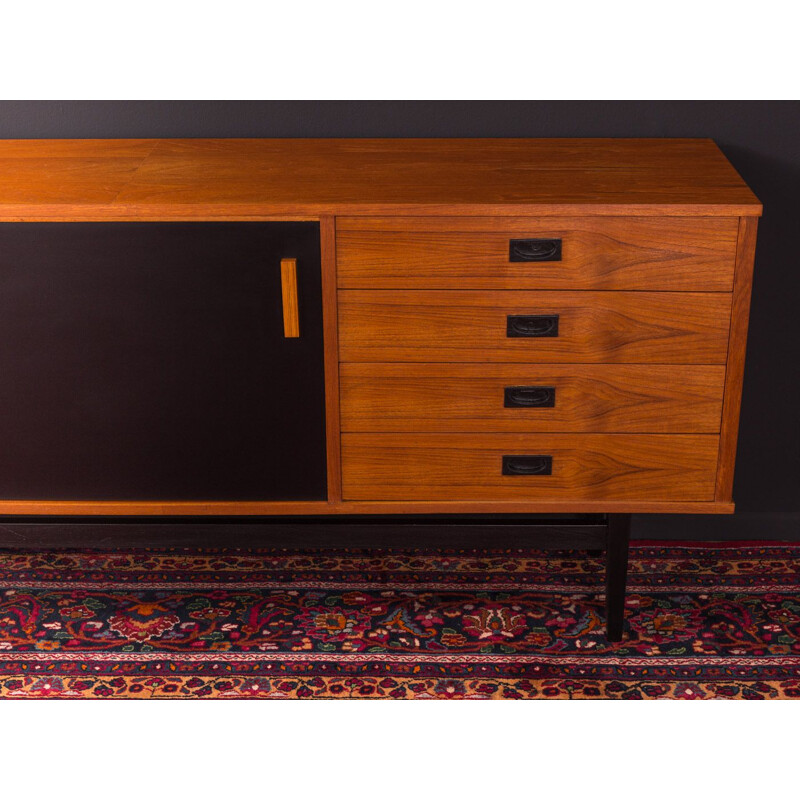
(75, 179)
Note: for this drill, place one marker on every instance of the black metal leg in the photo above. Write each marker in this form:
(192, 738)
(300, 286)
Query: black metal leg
(617, 538)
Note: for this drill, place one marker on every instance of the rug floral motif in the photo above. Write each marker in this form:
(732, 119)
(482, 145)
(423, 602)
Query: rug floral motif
(715, 621)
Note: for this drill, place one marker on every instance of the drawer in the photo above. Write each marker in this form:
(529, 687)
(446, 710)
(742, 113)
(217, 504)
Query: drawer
(503, 326)
(496, 398)
(661, 253)
(582, 466)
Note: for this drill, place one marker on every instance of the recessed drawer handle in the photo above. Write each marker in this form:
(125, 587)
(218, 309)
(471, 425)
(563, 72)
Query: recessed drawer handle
(534, 250)
(531, 326)
(527, 465)
(529, 396)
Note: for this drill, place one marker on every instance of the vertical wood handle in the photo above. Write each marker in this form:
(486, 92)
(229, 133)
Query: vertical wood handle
(291, 314)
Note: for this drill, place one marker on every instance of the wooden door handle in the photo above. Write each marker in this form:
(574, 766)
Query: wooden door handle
(291, 313)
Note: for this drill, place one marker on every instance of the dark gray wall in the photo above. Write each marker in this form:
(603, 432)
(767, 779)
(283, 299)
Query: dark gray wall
(761, 138)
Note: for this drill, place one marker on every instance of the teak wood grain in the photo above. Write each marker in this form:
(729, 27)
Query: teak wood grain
(690, 254)
(588, 398)
(211, 507)
(291, 311)
(327, 232)
(307, 178)
(67, 175)
(603, 327)
(740, 317)
(391, 466)
(658, 244)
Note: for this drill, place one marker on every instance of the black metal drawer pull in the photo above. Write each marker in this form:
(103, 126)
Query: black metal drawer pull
(534, 250)
(527, 465)
(529, 396)
(531, 326)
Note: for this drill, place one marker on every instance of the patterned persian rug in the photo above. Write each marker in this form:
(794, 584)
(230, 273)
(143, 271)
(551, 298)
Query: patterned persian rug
(713, 621)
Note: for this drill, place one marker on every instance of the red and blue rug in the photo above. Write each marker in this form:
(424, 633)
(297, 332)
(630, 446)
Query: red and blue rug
(713, 621)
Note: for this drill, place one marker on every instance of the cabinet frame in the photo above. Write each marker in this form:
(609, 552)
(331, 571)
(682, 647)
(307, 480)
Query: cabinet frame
(272, 180)
(722, 504)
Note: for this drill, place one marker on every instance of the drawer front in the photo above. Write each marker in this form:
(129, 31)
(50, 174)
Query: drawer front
(495, 398)
(566, 327)
(683, 254)
(386, 466)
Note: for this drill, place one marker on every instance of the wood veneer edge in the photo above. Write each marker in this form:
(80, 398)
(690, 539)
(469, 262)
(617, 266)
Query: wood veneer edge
(209, 212)
(299, 508)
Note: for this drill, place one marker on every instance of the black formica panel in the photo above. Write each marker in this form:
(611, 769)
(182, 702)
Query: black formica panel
(147, 361)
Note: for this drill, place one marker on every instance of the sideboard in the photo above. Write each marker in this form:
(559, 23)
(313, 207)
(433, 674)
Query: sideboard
(308, 327)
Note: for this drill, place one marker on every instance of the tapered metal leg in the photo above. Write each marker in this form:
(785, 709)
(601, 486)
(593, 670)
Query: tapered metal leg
(617, 540)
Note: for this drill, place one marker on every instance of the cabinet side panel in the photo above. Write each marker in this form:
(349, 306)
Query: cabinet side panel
(327, 229)
(740, 316)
